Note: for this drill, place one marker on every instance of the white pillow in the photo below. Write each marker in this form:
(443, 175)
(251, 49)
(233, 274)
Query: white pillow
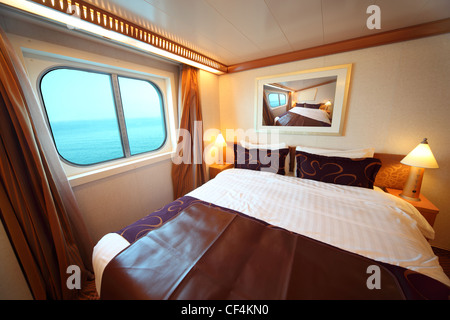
(275, 146)
(355, 153)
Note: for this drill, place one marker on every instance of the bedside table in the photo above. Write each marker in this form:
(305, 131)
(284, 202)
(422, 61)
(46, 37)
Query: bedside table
(425, 207)
(215, 169)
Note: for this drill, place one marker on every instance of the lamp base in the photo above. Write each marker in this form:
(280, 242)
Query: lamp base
(408, 198)
(411, 190)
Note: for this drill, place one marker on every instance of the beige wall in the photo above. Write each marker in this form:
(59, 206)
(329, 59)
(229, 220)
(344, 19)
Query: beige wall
(399, 94)
(209, 98)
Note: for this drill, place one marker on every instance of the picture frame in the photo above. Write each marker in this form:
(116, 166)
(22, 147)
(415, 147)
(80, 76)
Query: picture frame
(311, 102)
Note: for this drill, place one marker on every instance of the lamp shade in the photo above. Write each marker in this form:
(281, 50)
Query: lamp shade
(220, 141)
(421, 157)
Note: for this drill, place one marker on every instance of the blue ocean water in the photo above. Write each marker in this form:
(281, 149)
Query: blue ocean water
(93, 141)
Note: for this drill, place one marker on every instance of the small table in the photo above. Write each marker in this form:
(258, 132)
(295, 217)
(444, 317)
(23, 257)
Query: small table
(215, 169)
(424, 206)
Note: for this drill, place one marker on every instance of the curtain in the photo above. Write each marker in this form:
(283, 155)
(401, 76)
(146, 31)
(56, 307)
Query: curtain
(189, 173)
(38, 208)
(289, 105)
(268, 117)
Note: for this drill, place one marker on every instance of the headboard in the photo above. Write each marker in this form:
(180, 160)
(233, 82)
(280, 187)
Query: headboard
(392, 174)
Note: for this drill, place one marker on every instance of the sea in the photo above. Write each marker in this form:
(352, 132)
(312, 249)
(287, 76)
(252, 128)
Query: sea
(87, 142)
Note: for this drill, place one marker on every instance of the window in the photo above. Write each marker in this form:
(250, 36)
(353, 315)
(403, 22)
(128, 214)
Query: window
(277, 99)
(96, 117)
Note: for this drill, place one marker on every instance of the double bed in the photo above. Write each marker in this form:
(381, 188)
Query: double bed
(304, 117)
(257, 232)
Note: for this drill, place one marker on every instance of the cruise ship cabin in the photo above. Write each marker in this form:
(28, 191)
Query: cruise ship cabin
(224, 150)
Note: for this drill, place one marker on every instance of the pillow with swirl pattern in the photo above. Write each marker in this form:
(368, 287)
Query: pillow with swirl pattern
(360, 172)
(260, 159)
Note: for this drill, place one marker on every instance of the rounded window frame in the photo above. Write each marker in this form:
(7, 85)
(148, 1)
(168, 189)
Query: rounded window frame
(116, 95)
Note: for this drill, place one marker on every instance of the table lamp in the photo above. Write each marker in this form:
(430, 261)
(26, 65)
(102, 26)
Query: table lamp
(220, 143)
(419, 159)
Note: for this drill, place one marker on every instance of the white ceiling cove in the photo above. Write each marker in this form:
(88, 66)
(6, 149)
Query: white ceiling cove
(236, 31)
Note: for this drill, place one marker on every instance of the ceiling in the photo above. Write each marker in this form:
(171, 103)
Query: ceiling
(297, 85)
(237, 31)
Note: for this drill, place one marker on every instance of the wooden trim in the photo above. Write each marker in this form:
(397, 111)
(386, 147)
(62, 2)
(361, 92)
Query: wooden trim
(398, 35)
(317, 85)
(280, 86)
(302, 89)
(92, 14)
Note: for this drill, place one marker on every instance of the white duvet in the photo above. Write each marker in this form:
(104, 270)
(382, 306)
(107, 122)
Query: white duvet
(371, 223)
(316, 114)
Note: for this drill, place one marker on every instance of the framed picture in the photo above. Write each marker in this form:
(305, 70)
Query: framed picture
(305, 102)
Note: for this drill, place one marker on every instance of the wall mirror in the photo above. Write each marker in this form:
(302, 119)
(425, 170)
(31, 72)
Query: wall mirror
(305, 102)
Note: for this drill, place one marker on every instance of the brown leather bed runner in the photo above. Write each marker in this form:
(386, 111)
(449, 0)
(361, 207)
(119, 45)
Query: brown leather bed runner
(208, 253)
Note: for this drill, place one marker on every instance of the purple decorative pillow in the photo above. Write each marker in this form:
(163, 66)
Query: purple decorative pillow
(344, 171)
(312, 106)
(260, 159)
